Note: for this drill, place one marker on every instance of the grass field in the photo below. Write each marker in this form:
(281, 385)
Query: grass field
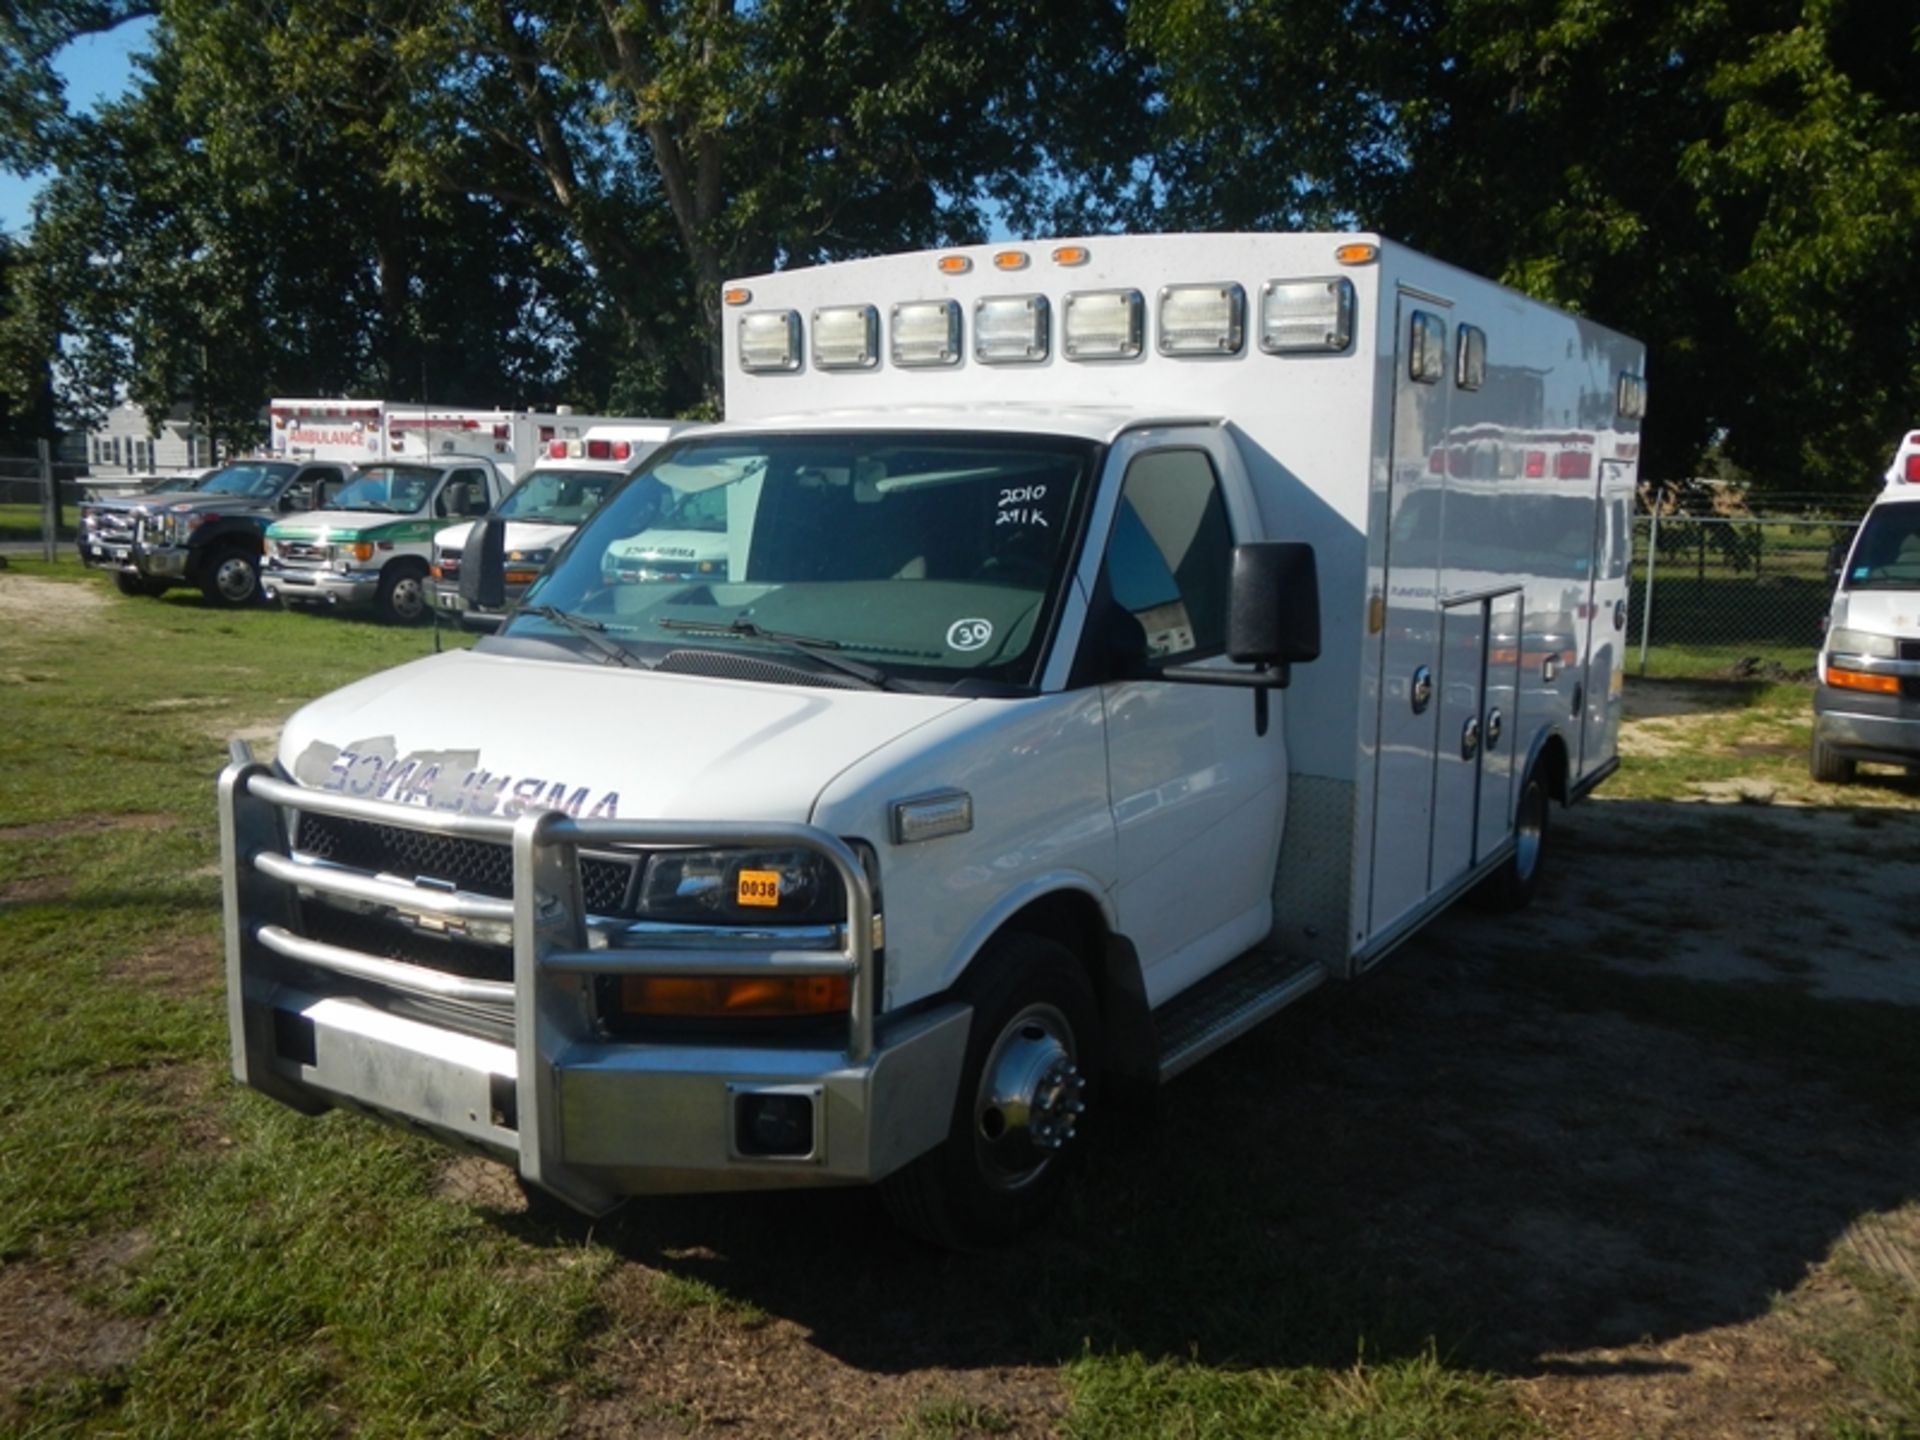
(26, 522)
(182, 1258)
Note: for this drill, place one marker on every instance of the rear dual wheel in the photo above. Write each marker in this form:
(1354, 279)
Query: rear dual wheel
(231, 577)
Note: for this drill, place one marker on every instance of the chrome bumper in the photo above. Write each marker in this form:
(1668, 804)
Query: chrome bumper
(587, 1116)
(292, 583)
(1888, 734)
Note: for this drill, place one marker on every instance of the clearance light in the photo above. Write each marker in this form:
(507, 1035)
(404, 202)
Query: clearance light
(1536, 464)
(1357, 253)
(846, 337)
(729, 997)
(927, 817)
(1573, 465)
(955, 264)
(1862, 680)
(1011, 329)
(1303, 316)
(1071, 255)
(1202, 319)
(1010, 260)
(925, 332)
(770, 340)
(1104, 324)
(737, 295)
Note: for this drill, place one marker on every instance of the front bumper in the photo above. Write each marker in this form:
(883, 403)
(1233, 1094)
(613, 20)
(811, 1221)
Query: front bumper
(161, 562)
(107, 555)
(330, 587)
(584, 1115)
(1880, 729)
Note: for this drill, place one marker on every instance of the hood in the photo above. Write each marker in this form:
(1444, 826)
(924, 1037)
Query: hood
(1879, 612)
(521, 535)
(149, 500)
(194, 501)
(473, 733)
(347, 525)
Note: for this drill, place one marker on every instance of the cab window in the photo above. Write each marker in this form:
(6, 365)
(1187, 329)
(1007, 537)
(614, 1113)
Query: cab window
(1170, 553)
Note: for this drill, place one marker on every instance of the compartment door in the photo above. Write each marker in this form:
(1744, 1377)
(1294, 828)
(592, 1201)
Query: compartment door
(1456, 771)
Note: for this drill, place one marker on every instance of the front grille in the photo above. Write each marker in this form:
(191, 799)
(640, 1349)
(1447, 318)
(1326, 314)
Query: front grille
(1909, 686)
(303, 553)
(484, 867)
(114, 527)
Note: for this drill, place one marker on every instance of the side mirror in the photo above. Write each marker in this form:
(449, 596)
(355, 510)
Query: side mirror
(483, 565)
(1273, 605)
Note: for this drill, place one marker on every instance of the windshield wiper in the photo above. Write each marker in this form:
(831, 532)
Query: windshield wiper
(812, 646)
(591, 631)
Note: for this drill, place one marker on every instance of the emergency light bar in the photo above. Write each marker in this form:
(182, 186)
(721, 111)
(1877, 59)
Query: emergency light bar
(1299, 316)
(1104, 324)
(926, 332)
(1202, 319)
(1012, 329)
(770, 340)
(846, 337)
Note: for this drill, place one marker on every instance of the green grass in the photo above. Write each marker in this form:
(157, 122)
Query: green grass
(28, 521)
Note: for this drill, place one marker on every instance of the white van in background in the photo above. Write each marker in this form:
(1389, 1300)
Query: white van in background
(1867, 706)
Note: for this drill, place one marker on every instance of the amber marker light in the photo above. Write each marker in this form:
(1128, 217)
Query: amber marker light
(1357, 253)
(722, 997)
(955, 264)
(1072, 255)
(1862, 680)
(738, 295)
(1010, 260)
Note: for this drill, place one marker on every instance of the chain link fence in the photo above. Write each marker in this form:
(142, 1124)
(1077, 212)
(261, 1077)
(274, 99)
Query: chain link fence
(1723, 595)
(31, 512)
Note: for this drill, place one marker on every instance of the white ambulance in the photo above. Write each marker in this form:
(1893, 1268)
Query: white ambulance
(1100, 661)
(363, 431)
(564, 486)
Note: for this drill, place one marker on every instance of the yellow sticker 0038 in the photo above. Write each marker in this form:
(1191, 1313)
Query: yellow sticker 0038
(758, 887)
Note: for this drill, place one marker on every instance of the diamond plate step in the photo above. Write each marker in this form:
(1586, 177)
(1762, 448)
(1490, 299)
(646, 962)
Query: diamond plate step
(1227, 1004)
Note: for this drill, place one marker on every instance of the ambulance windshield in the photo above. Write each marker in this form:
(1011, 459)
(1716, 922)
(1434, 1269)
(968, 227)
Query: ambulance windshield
(1887, 554)
(923, 556)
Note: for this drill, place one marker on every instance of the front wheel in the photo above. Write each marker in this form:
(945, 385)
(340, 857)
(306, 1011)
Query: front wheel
(403, 593)
(231, 577)
(129, 584)
(1032, 1051)
(1513, 885)
(1828, 765)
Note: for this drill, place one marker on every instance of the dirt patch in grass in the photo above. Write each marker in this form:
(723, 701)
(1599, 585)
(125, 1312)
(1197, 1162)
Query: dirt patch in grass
(180, 966)
(86, 825)
(47, 1335)
(49, 605)
(36, 890)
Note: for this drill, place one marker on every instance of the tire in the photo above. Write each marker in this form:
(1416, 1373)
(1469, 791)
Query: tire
(1828, 765)
(137, 585)
(403, 593)
(1514, 884)
(231, 577)
(1032, 1050)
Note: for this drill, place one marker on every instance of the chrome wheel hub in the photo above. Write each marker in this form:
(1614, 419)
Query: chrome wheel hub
(1030, 1099)
(234, 579)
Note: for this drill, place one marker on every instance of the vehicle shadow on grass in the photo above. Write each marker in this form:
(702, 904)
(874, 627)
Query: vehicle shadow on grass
(1610, 1119)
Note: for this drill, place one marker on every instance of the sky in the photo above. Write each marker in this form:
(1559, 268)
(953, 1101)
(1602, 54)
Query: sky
(95, 67)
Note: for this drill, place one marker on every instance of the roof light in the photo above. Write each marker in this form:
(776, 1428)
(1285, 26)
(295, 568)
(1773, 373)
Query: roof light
(1573, 465)
(846, 337)
(1012, 329)
(1536, 465)
(926, 332)
(1010, 260)
(1104, 324)
(599, 449)
(557, 450)
(737, 295)
(1913, 470)
(1071, 255)
(955, 264)
(1357, 253)
(770, 340)
(622, 450)
(1302, 316)
(1202, 319)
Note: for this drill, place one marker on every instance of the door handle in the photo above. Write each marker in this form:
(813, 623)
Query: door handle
(1470, 737)
(1493, 728)
(1421, 692)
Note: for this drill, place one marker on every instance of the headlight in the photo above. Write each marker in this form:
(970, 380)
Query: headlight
(361, 550)
(741, 887)
(1862, 642)
(531, 557)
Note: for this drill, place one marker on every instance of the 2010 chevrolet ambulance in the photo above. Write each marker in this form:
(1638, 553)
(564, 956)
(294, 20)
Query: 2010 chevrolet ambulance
(1115, 640)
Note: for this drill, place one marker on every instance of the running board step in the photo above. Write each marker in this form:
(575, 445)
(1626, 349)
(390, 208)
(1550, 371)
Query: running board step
(1227, 1004)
